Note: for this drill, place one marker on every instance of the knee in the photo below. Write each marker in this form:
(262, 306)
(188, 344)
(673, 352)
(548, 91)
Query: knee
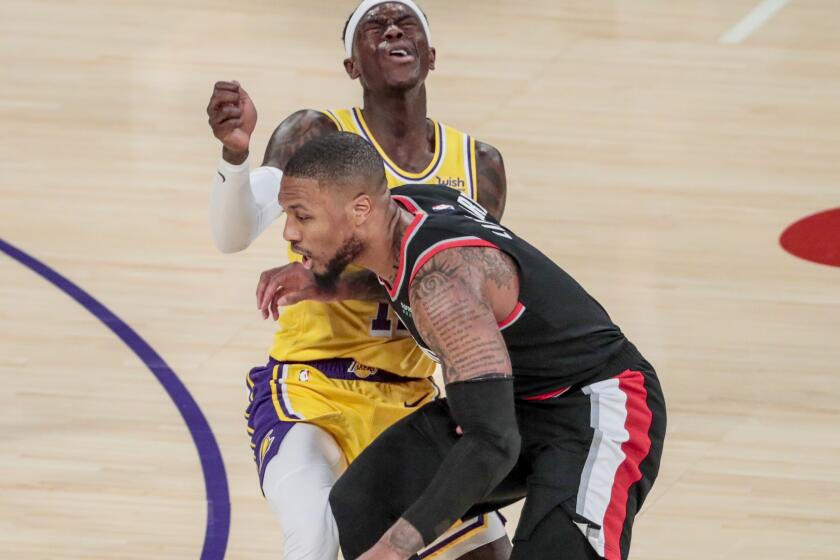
(348, 502)
(301, 505)
(361, 517)
(303, 541)
(307, 525)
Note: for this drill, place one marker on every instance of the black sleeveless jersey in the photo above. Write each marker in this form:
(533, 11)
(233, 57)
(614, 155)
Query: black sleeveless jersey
(557, 335)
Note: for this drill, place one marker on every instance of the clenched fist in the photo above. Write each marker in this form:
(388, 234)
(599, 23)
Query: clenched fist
(232, 116)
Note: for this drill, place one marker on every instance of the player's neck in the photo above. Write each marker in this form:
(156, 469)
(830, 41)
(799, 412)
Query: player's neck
(398, 121)
(383, 253)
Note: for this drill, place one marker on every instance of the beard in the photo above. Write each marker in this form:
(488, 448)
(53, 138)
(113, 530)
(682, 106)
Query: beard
(327, 281)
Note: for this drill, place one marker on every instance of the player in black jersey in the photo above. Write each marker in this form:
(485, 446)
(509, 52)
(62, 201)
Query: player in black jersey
(546, 398)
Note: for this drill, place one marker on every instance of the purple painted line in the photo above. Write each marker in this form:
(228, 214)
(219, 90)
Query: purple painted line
(215, 480)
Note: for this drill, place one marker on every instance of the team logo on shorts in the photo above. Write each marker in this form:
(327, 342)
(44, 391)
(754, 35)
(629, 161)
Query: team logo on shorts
(303, 376)
(265, 446)
(361, 371)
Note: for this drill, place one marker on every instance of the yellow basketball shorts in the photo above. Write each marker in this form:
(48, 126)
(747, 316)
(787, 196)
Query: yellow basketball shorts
(352, 402)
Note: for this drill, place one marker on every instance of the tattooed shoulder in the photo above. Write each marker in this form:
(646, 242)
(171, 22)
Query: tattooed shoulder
(491, 265)
(454, 318)
(473, 265)
(295, 131)
(437, 272)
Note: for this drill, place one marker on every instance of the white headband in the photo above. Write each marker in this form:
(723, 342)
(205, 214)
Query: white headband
(365, 7)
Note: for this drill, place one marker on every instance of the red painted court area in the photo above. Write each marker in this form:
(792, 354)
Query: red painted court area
(815, 238)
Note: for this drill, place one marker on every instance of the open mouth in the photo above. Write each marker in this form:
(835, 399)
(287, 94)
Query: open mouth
(305, 259)
(400, 54)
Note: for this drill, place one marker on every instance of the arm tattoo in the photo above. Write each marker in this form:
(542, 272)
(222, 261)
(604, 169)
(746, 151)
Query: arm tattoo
(492, 181)
(453, 316)
(293, 133)
(404, 538)
(492, 265)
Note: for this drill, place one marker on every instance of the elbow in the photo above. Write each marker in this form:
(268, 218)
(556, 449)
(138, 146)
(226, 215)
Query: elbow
(230, 234)
(509, 453)
(230, 249)
(500, 455)
(228, 244)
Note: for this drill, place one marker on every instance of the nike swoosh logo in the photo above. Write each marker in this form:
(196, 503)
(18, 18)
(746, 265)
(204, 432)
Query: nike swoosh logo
(417, 402)
(222, 176)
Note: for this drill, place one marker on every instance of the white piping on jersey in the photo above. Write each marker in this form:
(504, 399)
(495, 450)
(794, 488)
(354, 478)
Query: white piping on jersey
(468, 165)
(515, 318)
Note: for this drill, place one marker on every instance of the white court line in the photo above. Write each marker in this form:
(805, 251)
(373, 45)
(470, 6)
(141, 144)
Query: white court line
(752, 21)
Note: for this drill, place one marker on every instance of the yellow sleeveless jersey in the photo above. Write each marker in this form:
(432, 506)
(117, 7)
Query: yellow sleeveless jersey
(369, 332)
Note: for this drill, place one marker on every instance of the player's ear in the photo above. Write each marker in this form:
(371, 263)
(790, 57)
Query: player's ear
(351, 69)
(432, 57)
(361, 208)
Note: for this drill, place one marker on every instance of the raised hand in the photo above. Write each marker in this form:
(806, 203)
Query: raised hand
(232, 116)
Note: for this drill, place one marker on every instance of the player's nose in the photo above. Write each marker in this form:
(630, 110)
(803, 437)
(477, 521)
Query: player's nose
(290, 232)
(394, 32)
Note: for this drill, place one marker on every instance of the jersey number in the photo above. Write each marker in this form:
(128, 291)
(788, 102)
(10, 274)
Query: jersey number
(383, 323)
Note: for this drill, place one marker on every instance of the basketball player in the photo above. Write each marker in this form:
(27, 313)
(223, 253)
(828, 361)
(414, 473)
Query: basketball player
(546, 398)
(340, 373)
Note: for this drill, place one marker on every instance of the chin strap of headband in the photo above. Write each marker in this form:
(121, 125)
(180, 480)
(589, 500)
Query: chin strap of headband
(365, 7)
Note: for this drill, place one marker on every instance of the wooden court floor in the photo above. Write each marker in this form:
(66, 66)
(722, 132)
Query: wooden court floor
(655, 163)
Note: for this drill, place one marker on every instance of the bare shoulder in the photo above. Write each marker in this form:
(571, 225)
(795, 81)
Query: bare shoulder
(492, 179)
(488, 153)
(295, 131)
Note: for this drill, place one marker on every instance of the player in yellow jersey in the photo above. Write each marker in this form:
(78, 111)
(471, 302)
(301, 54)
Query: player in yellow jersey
(341, 373)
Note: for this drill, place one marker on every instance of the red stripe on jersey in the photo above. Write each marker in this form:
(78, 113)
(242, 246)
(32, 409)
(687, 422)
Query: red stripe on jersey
(407, 235)
(546, 396)
(514, 315)
(635, 449)
(442, 246)
(407, 203)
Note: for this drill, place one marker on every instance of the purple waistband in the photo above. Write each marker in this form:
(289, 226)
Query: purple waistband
(347, 369)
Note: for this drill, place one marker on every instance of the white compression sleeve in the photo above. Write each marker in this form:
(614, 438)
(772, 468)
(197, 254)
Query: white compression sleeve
(297, 485)
(242, 204)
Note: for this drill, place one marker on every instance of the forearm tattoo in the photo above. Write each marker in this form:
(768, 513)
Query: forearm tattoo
(452, 315)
